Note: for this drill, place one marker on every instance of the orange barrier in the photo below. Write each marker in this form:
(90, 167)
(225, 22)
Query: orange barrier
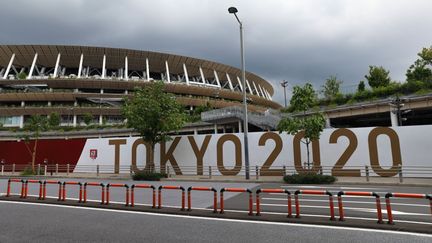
(235, 190)
(361, 194)
(116, 185)
(94, 184)
(132, 201)
(314, 192)
(171, 188)
(403, 195)
(52, 182)
(9, 187)
(196, 188)
(26, 182)
(258, 203)
(71, 183)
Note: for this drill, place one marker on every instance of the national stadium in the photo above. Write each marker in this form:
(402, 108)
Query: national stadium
(76, 80)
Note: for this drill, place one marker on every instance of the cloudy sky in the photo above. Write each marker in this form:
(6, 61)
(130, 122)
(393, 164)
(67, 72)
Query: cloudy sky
(292, 40)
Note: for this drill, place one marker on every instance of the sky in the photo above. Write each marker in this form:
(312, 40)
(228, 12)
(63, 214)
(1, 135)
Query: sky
(293, 40)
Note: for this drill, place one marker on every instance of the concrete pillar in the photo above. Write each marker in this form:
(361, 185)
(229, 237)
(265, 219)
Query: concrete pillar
(80, 65)
(9, 66)
(229, 82)
(100, 119)
(147, 69)
(185, 74)
(126, 75)
(74, 123)
(215, 128)
(195, 131)
(202, 75)
(103, 66)
(56, 66)
(32, 66)
(249, 87)
(327, 122)
(22, 103)
(240, 126)
(49, 103)
(167, 72)
(217, 78)
(240, 83)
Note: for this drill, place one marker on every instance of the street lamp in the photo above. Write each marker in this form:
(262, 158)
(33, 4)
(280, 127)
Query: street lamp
(284, 84)
(233, 10)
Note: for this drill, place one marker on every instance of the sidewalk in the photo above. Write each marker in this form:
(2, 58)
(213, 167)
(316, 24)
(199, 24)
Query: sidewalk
(391, 181)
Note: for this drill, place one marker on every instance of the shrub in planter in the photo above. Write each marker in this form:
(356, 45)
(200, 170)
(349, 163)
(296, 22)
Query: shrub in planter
(309, 178)
(148, 176)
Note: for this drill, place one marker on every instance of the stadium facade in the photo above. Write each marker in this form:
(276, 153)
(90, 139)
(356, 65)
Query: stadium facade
(75, 80)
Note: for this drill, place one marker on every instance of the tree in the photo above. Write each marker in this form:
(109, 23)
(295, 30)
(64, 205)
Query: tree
(331, 87)
(303, 99)
(88, 118)
(54, 120)
(361, 86)
(378, 77)
(154, 114)
(420, 70)
(35, 125)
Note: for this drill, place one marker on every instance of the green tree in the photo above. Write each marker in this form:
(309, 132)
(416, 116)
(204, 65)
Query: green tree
(22, 75)
(378, 77)
(54, 120)
(421, 69)
(361, 86)
(303, 99)
(88, 118)
(154, 114)
(195, 115)
(33, 128)
(331, 87)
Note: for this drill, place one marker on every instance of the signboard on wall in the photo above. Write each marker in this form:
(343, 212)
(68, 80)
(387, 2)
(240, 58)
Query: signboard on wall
(343, 150)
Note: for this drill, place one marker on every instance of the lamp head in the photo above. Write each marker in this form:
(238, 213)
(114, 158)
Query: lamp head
(232, 10)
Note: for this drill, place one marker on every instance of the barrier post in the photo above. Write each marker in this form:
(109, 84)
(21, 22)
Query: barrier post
(38, 169)
(94, 184)
(52, 182)
(314, 192)
(366, 194)
(257, 172)
(13, 169)
(367, 173)
(57, 169)
(9, 187)
(284, 170)
(107, 198)
(236, 190)
(97, 170)
(258, 201)
(67, 169)
(194, 188)
(72, 183)
(403, 195)
(132, 195)
(171, 188)
(210, 172)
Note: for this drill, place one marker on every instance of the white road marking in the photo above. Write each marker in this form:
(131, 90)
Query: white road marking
(224, 219)
(345, 201)
(367, 210)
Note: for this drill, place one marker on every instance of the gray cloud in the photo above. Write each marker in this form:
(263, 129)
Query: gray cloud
(285, 39)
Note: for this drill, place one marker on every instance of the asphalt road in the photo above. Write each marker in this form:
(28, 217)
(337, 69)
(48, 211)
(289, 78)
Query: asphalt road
(23, 222)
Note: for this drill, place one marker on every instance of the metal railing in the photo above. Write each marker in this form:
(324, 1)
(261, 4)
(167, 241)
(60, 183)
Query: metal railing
(257, 172)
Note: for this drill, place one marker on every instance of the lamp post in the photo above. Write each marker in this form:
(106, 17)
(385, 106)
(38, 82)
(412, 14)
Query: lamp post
(233, 10)
(284, 84)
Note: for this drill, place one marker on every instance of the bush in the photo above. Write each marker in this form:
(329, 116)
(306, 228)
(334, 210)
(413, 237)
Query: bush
(29, 172)
(148, 176)
(309, 178)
